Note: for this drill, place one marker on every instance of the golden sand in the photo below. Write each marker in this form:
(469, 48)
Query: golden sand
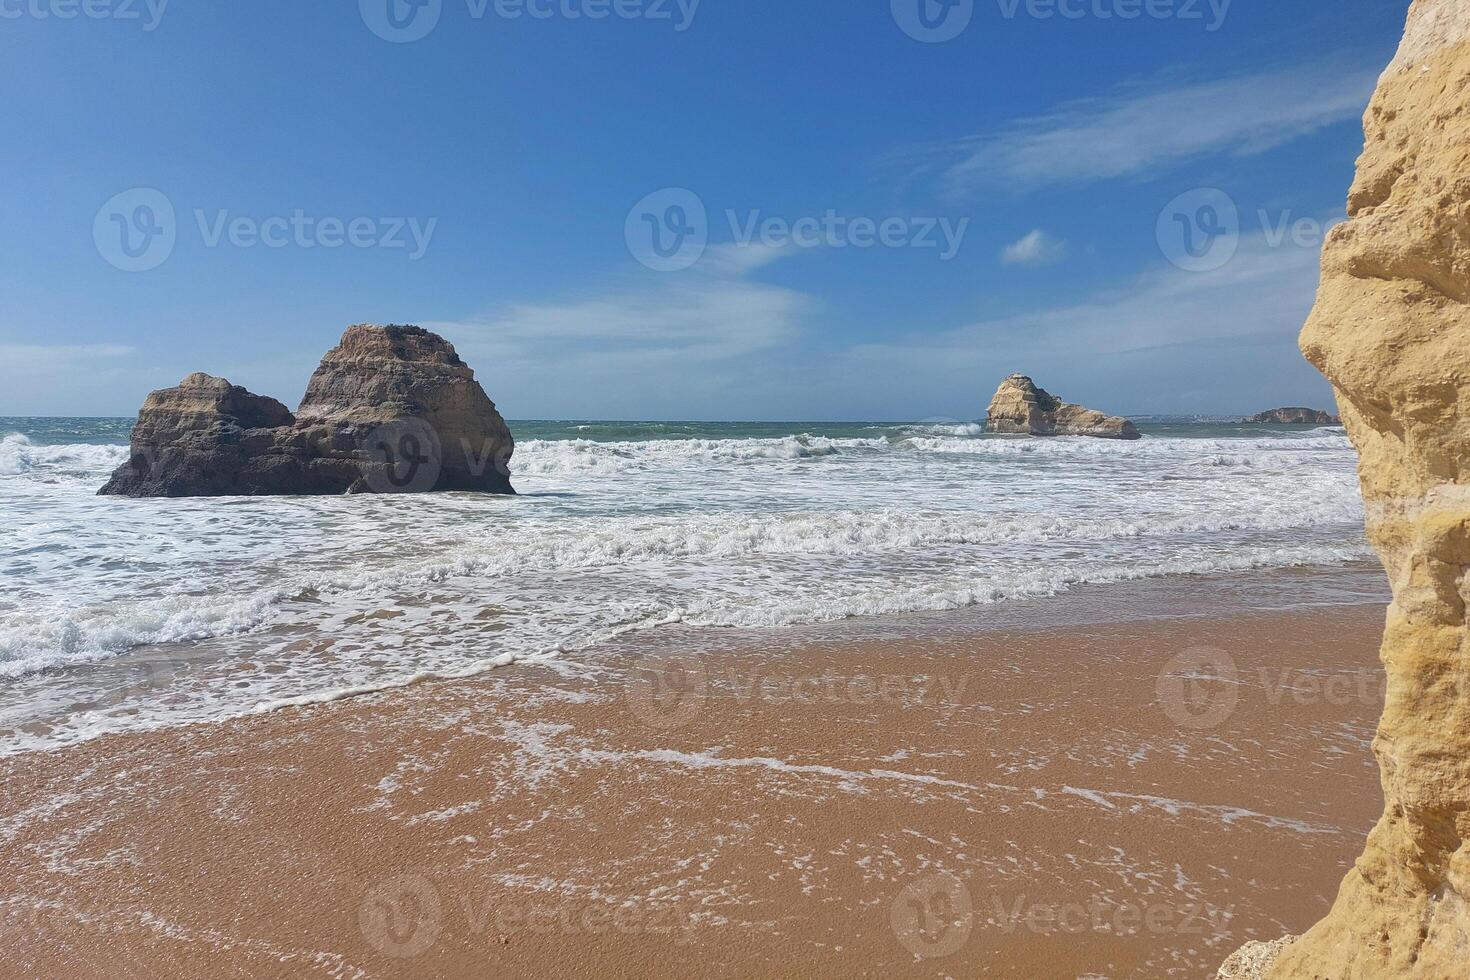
(1115, 801)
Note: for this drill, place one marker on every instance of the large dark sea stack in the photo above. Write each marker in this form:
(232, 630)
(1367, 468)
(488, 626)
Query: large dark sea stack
(389, 410)
(412, 382)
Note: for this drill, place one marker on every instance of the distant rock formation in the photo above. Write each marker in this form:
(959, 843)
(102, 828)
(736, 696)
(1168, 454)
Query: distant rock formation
(1021, 408)
(1294, 416)
(390, 410)
(1390, 332)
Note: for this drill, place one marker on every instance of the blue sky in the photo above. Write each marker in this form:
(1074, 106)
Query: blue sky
(489, 175)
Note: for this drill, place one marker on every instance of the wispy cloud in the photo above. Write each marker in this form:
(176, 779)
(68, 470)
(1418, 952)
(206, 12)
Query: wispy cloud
(1149, 126)
(1037, 248)
(651, 337)
(28, 359)
(1163, 306)
(1113, 340)
(62, 379)
(734, 347)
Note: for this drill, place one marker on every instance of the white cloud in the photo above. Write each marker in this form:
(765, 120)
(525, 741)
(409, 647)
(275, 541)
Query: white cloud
(63, 379)
(716, 343)
(654, 339)
(28, 359)
(1037, 248)
(1170, 340)
(1164, 306)
(1143, 128)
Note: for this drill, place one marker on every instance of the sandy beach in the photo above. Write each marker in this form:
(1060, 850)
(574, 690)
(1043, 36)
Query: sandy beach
(1122, 800)
(653, 489)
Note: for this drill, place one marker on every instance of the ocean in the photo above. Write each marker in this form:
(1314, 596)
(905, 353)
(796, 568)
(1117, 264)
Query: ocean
(121, 615)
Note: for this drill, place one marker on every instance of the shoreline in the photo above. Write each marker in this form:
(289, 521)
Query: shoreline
(1034, 801)
(1157, 598)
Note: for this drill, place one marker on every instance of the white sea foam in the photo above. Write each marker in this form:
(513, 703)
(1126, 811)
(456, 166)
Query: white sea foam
(18, 456)
(582, 456)
(66, 637)
(292, 601)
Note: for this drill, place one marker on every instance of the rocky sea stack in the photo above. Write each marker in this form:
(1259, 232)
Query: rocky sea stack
(1021, 408)
(389, 410)
(1294, 416)
(1390, 331)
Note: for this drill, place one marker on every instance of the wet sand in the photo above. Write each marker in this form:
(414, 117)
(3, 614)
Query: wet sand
(1129, 800)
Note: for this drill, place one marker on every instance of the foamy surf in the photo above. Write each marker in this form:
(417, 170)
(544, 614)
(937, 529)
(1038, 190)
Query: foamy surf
(622, 529)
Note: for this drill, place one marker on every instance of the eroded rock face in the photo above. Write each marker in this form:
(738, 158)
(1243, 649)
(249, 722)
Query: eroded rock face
(1021, 408)
(1294, 416)
(1253, 960)
(208, 437)
(390, 410)
(1391, 330)
(379, 376)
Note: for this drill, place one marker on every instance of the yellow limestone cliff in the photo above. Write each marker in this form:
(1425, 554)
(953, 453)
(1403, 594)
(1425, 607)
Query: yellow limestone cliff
(1391, 331)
